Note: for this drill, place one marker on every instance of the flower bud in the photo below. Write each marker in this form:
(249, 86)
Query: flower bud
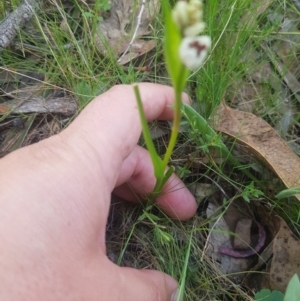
(195, 11)
(180, 14)
(193, 51)
(194, 30)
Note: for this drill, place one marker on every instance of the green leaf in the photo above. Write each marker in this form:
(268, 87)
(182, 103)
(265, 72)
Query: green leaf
(173, 37)
(163, 236)
(267, 295)
(250, 190)
(152, 217)
(288, 193)
(142, 217)
(263, 295)
(277, 296)
(198, 122)
(156, 160)
(87, 14)
(293, 289)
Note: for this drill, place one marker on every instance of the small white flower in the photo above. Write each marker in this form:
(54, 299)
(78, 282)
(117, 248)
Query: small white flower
(193, 51)
(194, 30)
(180, 14)
(196, 4)
(195, 11)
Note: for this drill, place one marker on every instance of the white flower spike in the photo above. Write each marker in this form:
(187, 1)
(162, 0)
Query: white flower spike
(193, 51)
(189, 15)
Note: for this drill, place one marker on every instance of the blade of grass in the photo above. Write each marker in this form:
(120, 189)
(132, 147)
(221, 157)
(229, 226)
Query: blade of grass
(156, 160)
(184, 270)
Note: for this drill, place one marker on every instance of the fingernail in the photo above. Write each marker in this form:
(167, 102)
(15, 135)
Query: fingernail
(176, 296)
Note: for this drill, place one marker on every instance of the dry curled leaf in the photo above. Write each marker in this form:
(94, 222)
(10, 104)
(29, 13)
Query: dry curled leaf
(262, 141)
(286, 260)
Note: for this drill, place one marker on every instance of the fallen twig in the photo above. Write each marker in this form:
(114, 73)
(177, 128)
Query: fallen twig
(139, 18)
(10, 26)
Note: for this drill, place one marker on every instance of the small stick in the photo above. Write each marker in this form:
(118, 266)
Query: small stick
(11, 25)
(135, 31)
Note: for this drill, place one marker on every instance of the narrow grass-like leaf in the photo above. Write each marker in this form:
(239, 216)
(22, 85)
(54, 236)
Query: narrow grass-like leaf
(156, 160)
(288, 193)
(126, 245)
(198, 122)
(184, 270)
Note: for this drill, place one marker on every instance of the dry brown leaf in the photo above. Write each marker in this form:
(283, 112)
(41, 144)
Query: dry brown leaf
(116, 32)
(286, 259)
(201, 190)
(279, 261)
(262, 141)
(4, 109)
(139, 47)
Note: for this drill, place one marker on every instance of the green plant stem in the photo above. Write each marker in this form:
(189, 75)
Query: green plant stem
(178, 86)
(160, 182)
(175, 128)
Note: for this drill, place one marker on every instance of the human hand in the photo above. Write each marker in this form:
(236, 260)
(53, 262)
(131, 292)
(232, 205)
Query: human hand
(55, 201)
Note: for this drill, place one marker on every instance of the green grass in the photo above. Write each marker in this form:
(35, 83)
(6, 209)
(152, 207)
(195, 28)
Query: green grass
(63, 49)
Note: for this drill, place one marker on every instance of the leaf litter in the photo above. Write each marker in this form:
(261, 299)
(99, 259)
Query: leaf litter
(262, 141)
(276, 247)
(279, 260)
(122, 32)
(42, 110)
(235, 237)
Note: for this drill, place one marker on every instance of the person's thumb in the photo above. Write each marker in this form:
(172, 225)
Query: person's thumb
(146, 285)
